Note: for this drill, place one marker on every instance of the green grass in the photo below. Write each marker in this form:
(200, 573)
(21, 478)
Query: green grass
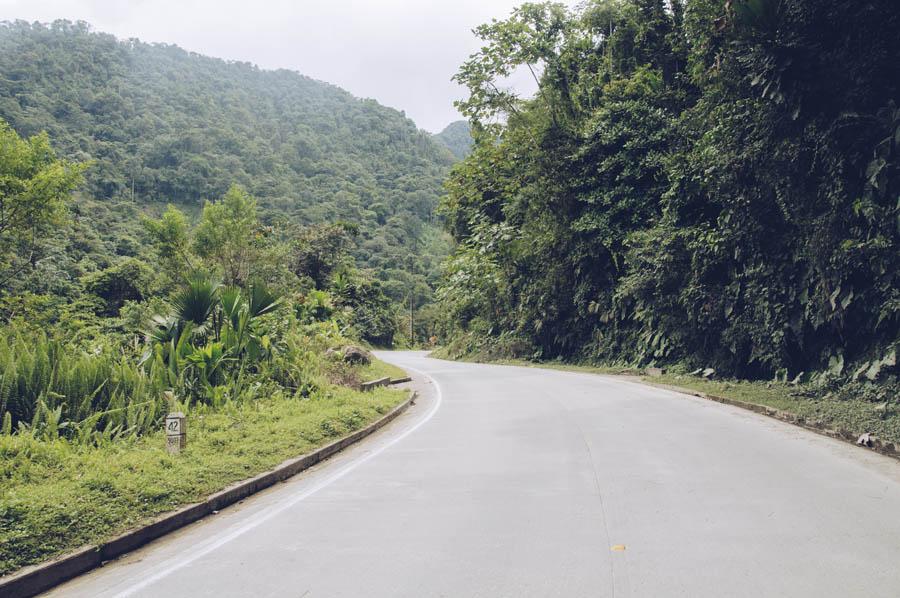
(836, 410)
(379, 369)
(57, 496)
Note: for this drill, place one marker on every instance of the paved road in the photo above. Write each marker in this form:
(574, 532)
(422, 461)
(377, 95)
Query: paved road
(507, 481)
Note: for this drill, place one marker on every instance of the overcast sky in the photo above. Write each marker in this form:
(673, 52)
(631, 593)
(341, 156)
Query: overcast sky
(400, 52)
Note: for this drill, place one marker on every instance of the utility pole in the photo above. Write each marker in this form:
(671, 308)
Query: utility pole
(412, 338)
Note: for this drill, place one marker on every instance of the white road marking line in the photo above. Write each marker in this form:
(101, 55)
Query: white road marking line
(190, 555)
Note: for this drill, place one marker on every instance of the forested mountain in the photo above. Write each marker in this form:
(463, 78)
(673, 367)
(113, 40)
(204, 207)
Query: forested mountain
(159, 124)
(457, 136)
(703, 181)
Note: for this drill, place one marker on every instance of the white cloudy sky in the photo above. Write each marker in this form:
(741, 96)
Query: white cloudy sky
(400, 52)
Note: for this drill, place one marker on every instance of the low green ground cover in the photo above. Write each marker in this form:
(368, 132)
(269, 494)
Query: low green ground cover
(58, 495)
(380, 369)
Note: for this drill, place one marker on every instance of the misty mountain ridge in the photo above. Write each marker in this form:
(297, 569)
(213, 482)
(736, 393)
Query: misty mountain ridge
(457, 137)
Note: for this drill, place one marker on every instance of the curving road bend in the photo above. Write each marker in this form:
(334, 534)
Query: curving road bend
(505, 481)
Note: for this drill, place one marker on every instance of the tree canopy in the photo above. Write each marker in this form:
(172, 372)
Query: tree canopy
(709, 181)
(35, 187)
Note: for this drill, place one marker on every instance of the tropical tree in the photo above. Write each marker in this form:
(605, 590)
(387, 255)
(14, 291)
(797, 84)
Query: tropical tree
(35, 188)
(170, 236)
(321, 249)
(227, 235)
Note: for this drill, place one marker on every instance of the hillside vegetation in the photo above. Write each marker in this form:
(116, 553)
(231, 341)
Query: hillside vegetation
(161, 125)
(457, 136)
(703, 182)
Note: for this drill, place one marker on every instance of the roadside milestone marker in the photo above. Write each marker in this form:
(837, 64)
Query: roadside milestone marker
(176, 432)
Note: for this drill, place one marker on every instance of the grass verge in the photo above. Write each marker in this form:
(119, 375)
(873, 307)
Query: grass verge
(57, 496)
(379, 369)
(836, 410)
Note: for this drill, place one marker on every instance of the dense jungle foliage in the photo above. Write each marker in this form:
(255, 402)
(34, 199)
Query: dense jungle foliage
(710, 182)
(161, 125)
(216, 313)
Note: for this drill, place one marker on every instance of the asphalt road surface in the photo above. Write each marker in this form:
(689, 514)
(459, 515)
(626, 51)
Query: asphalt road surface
(505, 481)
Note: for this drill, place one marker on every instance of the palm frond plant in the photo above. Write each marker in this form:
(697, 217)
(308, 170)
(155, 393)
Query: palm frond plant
(235, 320)
(262, 300)
(211, 337)
(196, 303)
(209, 364)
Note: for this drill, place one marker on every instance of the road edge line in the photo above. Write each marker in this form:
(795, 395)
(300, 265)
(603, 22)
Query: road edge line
(888, 449)
(882, 447)
(35, 579)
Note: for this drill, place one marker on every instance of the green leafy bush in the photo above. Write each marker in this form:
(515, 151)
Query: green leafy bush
(49, 388)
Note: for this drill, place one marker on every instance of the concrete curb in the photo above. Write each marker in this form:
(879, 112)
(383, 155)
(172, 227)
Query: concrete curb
(366, 386)
(40, 578)
(889, 449)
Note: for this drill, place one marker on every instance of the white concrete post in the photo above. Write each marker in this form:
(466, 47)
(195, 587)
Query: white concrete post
(176, 432)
